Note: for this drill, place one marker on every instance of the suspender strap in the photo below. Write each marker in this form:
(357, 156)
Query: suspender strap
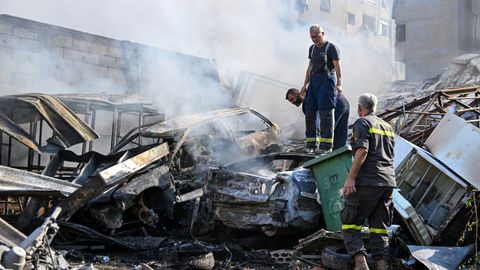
(326, 53)
(325, 68)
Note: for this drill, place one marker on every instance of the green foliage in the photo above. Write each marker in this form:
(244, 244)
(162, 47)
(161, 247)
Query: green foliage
(472, 227)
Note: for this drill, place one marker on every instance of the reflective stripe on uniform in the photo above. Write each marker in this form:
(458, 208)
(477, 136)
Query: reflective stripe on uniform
(327, 140)
(312, 139)
(378, 231)
(382, 132)
(351, 226)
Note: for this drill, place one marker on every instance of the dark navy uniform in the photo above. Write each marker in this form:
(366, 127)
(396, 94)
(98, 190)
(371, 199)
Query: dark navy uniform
(342, 114)
(321, 97)
(374, 184)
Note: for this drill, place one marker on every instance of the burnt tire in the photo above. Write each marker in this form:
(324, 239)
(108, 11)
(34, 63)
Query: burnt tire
(336, 257)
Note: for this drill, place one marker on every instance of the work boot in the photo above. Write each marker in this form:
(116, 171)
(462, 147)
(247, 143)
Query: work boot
(360, 262)
(382, 265)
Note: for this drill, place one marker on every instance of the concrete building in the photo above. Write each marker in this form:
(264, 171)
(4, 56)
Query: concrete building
(429, 33)
(345, 19)
(350, 16)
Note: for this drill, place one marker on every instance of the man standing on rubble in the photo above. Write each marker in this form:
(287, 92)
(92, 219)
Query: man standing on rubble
(369, 185)
(322, 81)
(342, 114)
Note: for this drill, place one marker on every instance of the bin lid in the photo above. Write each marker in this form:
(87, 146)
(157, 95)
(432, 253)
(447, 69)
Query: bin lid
(327, 156)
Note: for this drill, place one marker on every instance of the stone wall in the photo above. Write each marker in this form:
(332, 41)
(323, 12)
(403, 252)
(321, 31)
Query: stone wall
(38, 57)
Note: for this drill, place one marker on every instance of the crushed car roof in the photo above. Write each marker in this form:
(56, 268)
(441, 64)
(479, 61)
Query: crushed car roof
(183, 122)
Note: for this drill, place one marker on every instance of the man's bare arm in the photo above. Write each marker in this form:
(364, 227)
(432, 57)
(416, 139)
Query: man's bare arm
(307, 77)
(338, 71)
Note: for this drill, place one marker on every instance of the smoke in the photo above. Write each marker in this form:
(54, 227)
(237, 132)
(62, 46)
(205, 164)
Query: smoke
(262, 37)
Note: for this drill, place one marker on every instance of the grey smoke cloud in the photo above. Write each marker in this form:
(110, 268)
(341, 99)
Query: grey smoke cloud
(248, 35)
(258, 36)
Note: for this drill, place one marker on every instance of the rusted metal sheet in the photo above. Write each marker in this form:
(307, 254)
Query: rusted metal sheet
(111, 176)
(19, 182)
(456, 143)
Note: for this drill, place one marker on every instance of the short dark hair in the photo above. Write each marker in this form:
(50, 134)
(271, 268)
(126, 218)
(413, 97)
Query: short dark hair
(291, 91)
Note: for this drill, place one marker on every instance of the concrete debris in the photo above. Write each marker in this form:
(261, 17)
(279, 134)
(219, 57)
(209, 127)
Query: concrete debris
(464, 71)
(221, 190)
(465, 59)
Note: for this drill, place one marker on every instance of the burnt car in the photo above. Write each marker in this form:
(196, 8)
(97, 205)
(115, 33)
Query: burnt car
(192, 144)
(268, 193)
(213, 138)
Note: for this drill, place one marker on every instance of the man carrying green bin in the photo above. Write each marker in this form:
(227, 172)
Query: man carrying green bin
(369, 186)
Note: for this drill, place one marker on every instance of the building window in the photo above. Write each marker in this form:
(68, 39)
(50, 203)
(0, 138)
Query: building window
(351, 18)
(384, 28)
(301, 6)
(325, 5)
(369, 21)
(401, 33)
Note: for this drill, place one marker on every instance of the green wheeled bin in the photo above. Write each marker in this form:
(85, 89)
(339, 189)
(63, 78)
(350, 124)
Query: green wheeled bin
(330, 171)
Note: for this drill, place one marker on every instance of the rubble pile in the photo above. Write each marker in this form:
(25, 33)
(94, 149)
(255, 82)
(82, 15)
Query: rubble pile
(218, 190)
(464, 71)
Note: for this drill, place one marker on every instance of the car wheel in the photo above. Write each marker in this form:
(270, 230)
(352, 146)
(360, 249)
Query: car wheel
(336, 257)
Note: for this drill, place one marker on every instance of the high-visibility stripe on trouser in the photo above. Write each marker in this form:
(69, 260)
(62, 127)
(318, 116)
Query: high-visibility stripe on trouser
(311, 129)
(378, 230)
(374, 204)
(327, 140)
(326, 129)
(351, 227)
